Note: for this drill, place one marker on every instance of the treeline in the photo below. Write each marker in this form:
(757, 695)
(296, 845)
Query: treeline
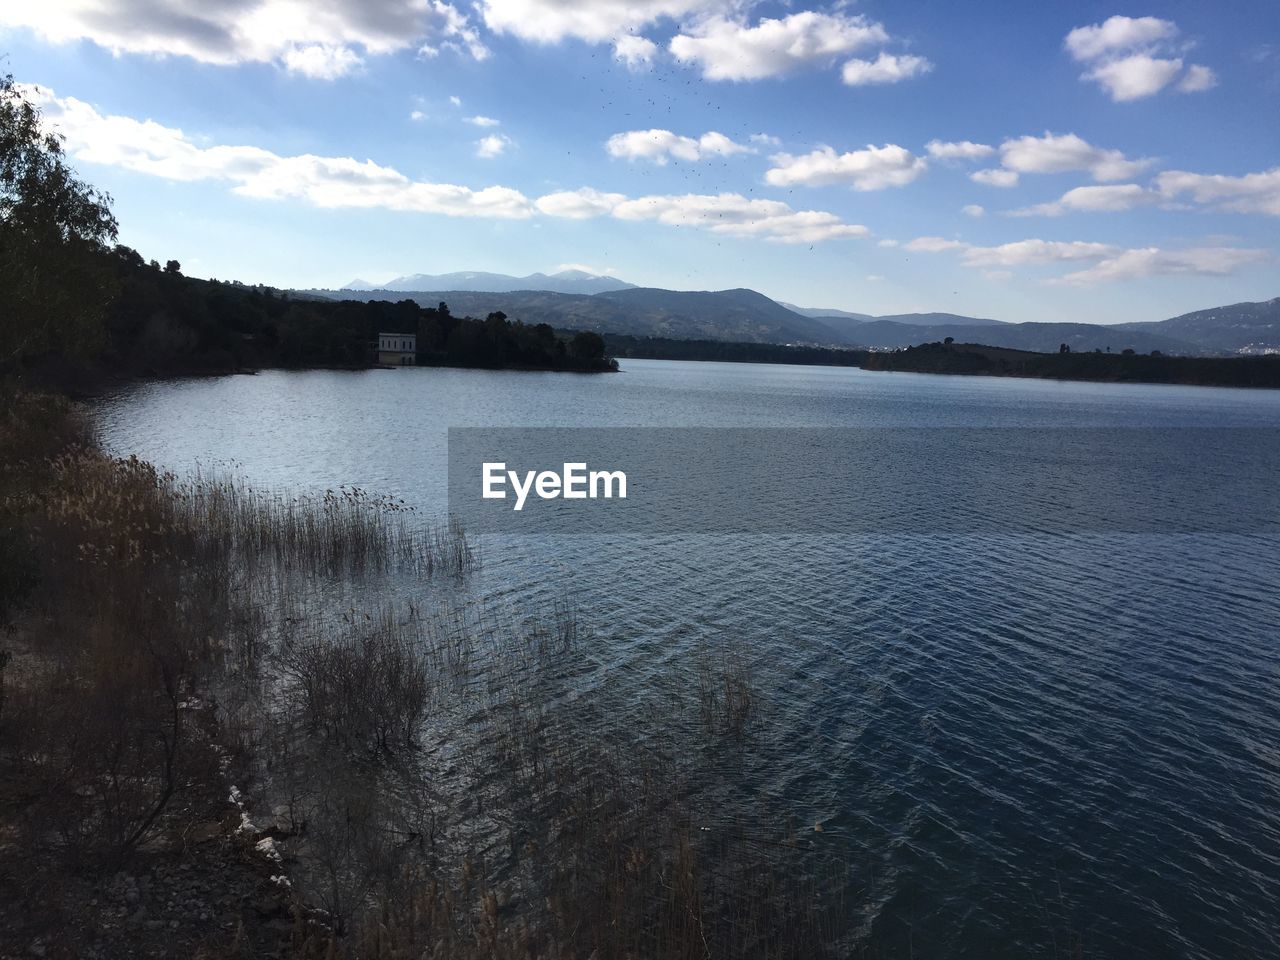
(662, 348)
(1125, 367)
(161, 323)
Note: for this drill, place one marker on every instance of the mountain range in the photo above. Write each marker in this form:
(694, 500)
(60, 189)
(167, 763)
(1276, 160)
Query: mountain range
(565, 281)
(575, 299)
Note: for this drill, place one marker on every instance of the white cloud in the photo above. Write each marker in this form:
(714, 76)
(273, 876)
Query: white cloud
(765, 140)
(728, 49)
(1118, 34)
(1154, 262)
(450, 29)
(1135, 77)
(585, 268)
(492, 146)
(1066, 153)
(887, 243)
(933, 245)
(1111, 198)
(324, 40)
(1134, 58)
(1106, 261)
(961, 150)
(1198, 78)
(583, 204)
(456, 101)
(480, 121)
(344, 182)
(330, 182)
(886, 68)
(1251, 193)
(417, 115)
(550, 21)
(875, 277)
(995, 177)
(321, 61)
(636, 52)
(974, 210)
(658, 146)
(873, 168)
(730, 214)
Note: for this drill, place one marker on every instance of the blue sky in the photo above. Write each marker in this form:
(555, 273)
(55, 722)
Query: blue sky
(1021, 161)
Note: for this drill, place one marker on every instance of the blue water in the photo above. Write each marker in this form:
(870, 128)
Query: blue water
(1013, 740)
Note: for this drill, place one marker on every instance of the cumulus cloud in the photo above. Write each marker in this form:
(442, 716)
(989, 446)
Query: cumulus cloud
(1111, 198)
(321, 61)
(636, 52)
(344, 182)
(730, 49)
(1134, 58)
(583, 204)
(482, 121)
(1067, 153)
(995, 177)
(324, 40)
(151, 148)
(730, 214)
(1135, 77)
(550, 21)
(1106, 262)
(1197, 78)
(873, 168)
(1154, 262)
(1118, 34)
(1251, 193)
(961, 150)
(886, 68)
(492, 146)
(449, 28)
(973, 210)
(659, 146)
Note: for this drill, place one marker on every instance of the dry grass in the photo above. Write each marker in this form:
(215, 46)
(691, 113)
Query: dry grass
(446, 781)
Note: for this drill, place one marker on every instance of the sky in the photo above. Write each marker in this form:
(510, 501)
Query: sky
(1016, 160)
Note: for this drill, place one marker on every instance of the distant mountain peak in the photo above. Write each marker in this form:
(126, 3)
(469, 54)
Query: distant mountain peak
(479, 281)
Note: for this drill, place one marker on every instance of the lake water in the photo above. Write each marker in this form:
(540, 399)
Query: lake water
(1012, 737)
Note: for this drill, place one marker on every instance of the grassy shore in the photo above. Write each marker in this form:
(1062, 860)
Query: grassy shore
(281, 696)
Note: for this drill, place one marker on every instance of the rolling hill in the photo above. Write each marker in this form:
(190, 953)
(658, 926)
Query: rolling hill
(1238, 328)
(742, 315)
(747, 316)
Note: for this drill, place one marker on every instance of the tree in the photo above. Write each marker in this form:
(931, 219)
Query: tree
(55, 232)
(949, 340)
(1064, 348)
(172, 266)
(587, 345)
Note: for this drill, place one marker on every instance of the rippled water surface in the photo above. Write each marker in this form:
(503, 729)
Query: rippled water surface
(1012, 739)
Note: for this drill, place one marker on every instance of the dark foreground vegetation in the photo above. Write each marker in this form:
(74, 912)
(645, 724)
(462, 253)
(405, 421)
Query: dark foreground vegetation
(216, 742)
(1124, 367)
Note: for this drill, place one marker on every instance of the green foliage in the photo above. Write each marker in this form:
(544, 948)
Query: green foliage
(54, 231)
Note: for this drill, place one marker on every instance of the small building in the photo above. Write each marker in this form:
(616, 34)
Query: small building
(397, 349)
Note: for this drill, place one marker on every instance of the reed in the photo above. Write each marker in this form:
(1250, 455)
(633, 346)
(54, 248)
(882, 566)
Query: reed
(446, 779)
